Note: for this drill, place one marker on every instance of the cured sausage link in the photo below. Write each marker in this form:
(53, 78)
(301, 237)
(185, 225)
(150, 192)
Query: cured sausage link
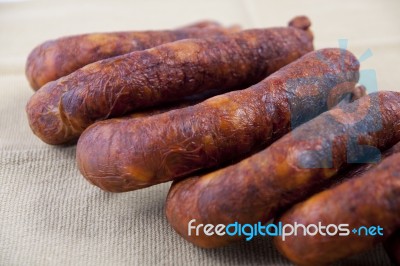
(57, 58)
(60, 111)
(122, 155)
(257, 188)
(371, 199)
(392, 245)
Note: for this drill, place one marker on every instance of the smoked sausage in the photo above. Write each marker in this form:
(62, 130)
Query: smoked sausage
(392, 245)
(57, 58)
(126, 154)
(371, 199)
(358, 169)
(257, 188)
(60, 111)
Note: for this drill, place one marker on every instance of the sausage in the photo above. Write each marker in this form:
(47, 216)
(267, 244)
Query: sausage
(144, 152)
(372, 199)
(205, 24)
(392, 246)
(123, 155)
(358, 169)
(60, 111)
(257, 188)
(57, 58)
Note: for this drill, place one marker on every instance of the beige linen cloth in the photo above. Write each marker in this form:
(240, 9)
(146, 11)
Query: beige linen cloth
(49, 215)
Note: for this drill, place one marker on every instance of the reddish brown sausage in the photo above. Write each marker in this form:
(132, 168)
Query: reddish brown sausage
(357, 169)
(60, 111)
(57, 58)
(122, 155)
(198, 98)
(255, 189)
(392, 245)
(372, 199)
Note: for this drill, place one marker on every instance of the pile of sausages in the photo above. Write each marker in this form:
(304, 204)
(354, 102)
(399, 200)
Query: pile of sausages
(252, 125)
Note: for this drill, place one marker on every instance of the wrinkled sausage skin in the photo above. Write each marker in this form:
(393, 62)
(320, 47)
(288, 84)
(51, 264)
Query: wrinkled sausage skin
(392, 245)
(121, 155)
(370, 199)
(60, 111)
(57, 58)
(358, 169)
(257, 188)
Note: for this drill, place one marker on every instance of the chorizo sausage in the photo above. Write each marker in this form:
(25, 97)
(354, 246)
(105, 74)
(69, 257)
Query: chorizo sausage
(392, 245)
(371, 199)
(60, 111)
(122, 155)
(357, 170)
(256, 188)
(57, 58)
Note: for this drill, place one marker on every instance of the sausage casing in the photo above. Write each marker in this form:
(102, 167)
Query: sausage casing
(371, 199)
(57, 58)
(392, 245)
(60, 111)
(126, 154)
(257, 188)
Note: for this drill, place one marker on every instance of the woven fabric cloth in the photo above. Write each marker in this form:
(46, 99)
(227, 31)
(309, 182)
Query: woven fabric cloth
(49, 215)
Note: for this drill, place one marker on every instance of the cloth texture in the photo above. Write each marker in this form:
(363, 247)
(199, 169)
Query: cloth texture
(50, 215)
